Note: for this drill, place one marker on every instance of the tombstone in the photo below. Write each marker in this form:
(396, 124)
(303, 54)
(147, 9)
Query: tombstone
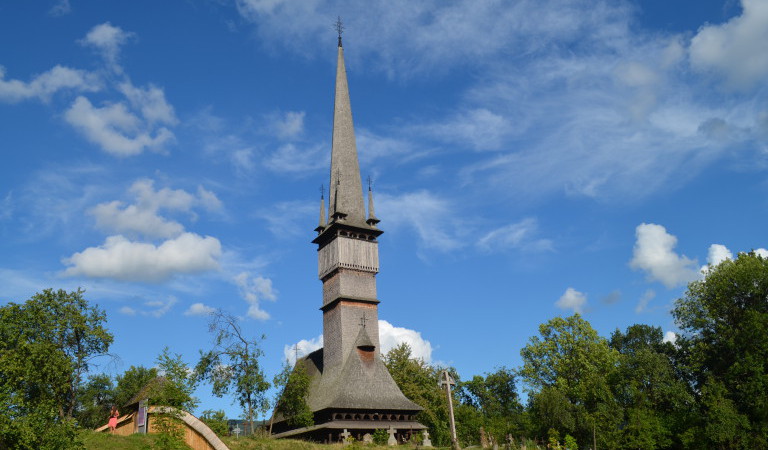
(484, 439)
(237, 431)
(367, 438)
(344, 437)
(426, 442)
(392, 440)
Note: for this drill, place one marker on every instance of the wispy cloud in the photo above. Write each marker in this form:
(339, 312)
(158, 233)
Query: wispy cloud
(518, 235)
(43, 86)
(255, 289)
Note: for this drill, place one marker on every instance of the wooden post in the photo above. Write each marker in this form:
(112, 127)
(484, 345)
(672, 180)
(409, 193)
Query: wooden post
(447, 381)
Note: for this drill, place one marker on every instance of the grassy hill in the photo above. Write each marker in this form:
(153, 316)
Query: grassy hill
(101, 441)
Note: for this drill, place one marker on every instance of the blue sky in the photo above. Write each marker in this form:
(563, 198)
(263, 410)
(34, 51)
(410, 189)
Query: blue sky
(529, 159)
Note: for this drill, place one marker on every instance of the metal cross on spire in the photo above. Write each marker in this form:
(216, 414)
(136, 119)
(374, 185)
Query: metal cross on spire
(369, 182)
(322, 191)
(339, 28)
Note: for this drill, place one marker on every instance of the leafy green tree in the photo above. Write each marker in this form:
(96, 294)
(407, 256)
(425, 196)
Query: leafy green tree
(575, 365)
(293, 384)
(131, 382)
(216, 421)
(233, 365)
(47, 345)
(419, 382)
(724, 343)
(654, 396)
(172, 389)
(495, 397)
(94, 401)
(178, 385)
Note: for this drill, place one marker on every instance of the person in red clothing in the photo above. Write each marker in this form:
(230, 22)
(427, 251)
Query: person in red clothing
(113, 415)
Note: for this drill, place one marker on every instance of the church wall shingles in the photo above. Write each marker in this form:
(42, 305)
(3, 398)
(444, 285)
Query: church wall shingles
(346, 284)
(341, 325)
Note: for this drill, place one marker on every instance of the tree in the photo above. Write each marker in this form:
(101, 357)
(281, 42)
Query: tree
(233, 364)
(724, 343)
(495, 397)
(575, 365)
(216, 421)
(655, 399)
(419, 382)
(172, 391)
(47, 345)
(293, 384)
(94, 401)
(131, 382)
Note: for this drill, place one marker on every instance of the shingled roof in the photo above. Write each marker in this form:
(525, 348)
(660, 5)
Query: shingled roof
(357, 384)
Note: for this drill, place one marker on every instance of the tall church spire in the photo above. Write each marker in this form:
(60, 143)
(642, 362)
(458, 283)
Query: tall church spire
(346, 190)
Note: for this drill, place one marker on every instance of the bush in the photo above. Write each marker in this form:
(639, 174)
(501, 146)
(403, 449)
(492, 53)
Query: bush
(380, 437)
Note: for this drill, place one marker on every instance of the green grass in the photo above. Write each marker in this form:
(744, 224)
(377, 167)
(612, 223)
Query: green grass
(101, 441)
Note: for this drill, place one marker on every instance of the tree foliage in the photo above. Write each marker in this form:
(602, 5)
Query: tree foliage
(724, 345)
(419, 382)
(233, 365)
(573, 366)
(47, 345)
(94, 401)
(496, 406)
(293, 387)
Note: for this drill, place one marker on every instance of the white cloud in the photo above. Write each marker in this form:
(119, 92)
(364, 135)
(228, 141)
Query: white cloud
(439, 36)
(60, 8)
(670, 336)
(736, 49)
(573, 300)
(132, 219)
(254, 290)
(143, 218)
(150, 101)
(284, 218)
(372, 146)
(642, 305)
(429, 215)
(151, 308)
(158, 308)
(654, 254)
(107, 39)
(115, 129)
(763, 253)
(390, 337)
(43, 86)
(121, 259)
(516, 235)
(290, 158)
(199, 309)
(717, 254)
(302, 348)
(478, 129)
(288, 126)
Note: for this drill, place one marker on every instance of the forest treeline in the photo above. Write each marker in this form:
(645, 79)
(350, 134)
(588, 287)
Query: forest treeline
(707, 389)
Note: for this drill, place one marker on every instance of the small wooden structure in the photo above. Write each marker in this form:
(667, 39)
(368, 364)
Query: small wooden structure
(197, 435)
